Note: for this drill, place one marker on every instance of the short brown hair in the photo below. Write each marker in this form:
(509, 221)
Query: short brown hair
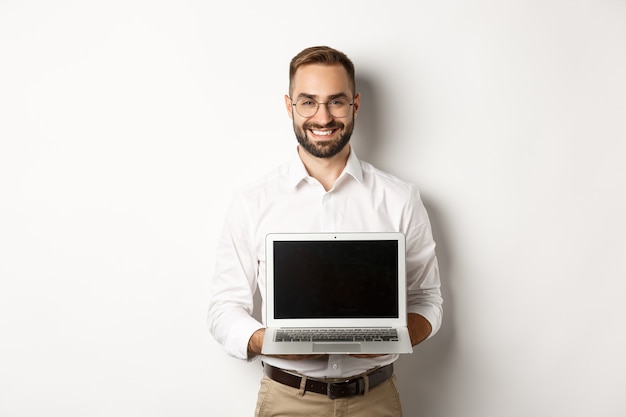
(321, 55)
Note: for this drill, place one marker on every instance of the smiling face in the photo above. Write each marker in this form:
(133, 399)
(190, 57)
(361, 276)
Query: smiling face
(322, 135)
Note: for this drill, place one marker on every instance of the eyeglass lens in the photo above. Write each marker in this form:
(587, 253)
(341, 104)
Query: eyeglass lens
(338, 107)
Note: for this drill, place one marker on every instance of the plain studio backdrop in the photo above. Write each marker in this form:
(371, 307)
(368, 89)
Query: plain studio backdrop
(126, 126)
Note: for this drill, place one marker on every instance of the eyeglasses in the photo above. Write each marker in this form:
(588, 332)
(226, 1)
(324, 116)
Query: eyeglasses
(337, 107)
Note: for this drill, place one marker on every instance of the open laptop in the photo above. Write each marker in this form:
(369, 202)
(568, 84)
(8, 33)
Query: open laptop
(336, 293)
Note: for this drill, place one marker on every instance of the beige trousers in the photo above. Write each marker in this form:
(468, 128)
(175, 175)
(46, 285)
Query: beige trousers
(276, 399)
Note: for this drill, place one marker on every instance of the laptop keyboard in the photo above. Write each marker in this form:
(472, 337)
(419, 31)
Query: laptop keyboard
(336, 335)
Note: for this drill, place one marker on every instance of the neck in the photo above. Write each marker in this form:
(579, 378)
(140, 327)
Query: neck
(325, 170)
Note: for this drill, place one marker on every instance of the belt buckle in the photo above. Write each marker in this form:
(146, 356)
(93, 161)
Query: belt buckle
(346, 388)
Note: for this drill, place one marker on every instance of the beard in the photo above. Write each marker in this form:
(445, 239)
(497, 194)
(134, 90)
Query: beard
(327, 148)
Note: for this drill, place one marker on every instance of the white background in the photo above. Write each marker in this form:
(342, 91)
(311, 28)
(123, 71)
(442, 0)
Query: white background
(125, 126)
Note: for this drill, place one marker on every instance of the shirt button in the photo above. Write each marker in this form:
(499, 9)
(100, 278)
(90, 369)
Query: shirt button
(335, 366)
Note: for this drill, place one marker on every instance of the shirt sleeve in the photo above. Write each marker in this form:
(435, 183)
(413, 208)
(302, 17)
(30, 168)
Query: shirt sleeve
(423, 281)
(233, 286)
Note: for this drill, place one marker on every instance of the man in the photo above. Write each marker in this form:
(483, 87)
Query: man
(325, 187)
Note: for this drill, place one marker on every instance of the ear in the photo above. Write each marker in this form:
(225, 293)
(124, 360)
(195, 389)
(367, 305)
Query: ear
(357, 103)
(288, 106)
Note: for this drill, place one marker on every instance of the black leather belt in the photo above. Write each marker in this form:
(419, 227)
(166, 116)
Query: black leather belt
(336, 389)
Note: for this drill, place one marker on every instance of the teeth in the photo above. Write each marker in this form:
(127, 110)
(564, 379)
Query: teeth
(322, 132)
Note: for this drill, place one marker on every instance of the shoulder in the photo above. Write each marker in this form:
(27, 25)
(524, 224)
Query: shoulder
(378, 178)
(263, 186)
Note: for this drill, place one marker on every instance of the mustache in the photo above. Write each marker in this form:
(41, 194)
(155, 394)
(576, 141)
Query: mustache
(332, 125)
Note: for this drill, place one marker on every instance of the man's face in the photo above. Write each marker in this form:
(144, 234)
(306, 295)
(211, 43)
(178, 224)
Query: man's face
(322, 135)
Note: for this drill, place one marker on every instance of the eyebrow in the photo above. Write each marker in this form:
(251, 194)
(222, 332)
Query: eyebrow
(315, 97)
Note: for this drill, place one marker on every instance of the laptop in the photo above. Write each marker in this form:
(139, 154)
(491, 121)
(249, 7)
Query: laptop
(336, 293)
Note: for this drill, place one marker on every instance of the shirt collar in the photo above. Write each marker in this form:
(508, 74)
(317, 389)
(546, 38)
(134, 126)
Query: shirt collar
(298, 172)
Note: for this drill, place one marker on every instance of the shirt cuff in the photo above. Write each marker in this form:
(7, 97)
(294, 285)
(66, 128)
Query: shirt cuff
(241, 331)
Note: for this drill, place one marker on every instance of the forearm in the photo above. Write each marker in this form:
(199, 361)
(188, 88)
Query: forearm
(231, 301)
(424, 301)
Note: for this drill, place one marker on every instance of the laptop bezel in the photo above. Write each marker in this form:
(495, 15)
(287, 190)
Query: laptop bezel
(399, 321)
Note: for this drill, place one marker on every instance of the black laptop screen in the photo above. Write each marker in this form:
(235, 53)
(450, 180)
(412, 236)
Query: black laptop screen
(336, 279)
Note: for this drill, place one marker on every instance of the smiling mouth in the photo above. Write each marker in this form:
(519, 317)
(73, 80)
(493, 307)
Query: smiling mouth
(322, 132)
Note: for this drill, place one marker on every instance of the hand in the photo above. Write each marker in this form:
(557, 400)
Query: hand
(419, 328)
(255, 345)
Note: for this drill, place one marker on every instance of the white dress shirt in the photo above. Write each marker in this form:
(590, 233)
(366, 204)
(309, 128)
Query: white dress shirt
(288, 200)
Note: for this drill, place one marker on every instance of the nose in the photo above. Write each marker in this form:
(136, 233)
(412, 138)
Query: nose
(322, 115)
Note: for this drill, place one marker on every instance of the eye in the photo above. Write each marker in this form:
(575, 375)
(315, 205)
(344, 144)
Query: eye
(338, 102)
(307, 103)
